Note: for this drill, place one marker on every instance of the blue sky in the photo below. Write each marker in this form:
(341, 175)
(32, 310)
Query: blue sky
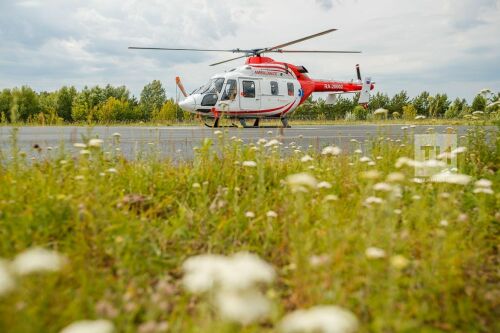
(440, 46)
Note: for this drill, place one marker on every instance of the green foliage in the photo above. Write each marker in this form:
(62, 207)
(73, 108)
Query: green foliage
(409, 112)
(398, 101)
(114, 110)
(379, 101)
(168, 112)
(6, 99)
(457, 108)
(360, 113)
(438, 105)
(479, 103)
(65, 98)
(422, 103)
(152, 97)
(26, 103)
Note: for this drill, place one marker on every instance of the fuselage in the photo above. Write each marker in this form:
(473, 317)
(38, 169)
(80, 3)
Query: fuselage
(260, 88)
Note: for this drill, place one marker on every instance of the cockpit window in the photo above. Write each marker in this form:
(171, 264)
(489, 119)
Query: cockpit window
(229, 92)
(213, 86)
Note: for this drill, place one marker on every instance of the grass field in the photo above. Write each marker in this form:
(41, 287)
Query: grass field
(348, 229)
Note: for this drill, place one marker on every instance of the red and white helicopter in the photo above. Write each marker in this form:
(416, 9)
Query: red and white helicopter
(263, 88)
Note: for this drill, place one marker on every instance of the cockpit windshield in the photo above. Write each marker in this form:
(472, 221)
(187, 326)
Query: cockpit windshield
(213, 86)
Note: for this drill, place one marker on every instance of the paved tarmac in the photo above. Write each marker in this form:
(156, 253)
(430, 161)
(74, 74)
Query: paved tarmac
(178, 141)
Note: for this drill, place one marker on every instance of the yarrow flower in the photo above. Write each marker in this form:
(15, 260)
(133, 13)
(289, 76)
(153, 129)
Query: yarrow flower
(272, 214)
(451, 178)
(96, 143)
(90, 326)
(399, 261)
(374, 253)
(272, 142)
(306, 158)
(365, 159)
(250, 215)
(324, 184)
(301, 182)
(381, 111)
(331, 150)
(325, 318)
(250, 164)
(384, 187)
(36, 260)
(234, 280)
(373, 200)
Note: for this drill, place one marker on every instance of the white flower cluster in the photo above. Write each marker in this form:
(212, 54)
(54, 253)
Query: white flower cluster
(483, 186)
(34, 260)
(324, 319)
(234, 282)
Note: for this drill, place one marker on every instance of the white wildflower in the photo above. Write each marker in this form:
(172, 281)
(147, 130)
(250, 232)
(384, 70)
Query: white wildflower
(419, 117)
(243, 306)
(201, 273)
(373, 200)
(319, 260)
(399, 261)
(96, 143)
(395, 177)
(365, 159)
(7, 282)
(238, 272)
(484, 183)
(79, 178)
(261, 141)
(478, 113)
(272, 214)
(372, 163)
(250, 215)
(196, 185)
(90, 326)
(331, 197)
(374, 253)
(306, 158)
(443, 223)
(112, 170)
(80, 145)
(484, 190)
(451, 178)
(301, 182)
(38, 260)
(331, 150)
(272, 142)
(218, 133)
(383, 187)
(371, 174)
(250, 164)
(85, 152)
(324, 184)
(324, 319)
(358, 151)
(116, 135)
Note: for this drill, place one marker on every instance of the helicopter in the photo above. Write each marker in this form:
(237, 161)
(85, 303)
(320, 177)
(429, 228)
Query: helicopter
(263, 88)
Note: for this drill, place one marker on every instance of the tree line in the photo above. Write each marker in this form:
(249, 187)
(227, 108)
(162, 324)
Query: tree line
(115, 104)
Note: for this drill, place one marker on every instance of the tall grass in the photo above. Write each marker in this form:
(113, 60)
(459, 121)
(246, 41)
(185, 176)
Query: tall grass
(127, 226)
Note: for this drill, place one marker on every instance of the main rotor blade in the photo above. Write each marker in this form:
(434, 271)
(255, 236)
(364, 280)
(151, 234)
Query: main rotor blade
(309, 51)
(298, 40)
(180, 49)
(221, 62)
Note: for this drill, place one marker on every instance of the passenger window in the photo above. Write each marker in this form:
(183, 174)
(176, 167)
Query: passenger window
(291, 91)
(274, 88)
(209, 100)
(249, 89)
(230, 91)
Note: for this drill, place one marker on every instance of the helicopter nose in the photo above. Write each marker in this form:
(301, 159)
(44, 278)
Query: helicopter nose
(188, 104)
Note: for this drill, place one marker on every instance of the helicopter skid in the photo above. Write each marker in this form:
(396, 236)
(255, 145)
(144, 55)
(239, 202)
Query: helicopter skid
(243, 123)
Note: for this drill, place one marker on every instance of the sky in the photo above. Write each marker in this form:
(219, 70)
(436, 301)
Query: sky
(442, 46)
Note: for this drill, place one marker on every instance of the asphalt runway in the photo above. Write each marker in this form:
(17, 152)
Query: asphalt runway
(178, 141)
